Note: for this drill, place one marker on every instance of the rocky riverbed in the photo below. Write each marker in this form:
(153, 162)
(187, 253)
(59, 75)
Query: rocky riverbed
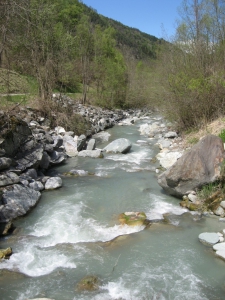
(29, 148)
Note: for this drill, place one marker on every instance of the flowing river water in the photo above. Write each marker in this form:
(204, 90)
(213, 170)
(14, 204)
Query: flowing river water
(65, 238)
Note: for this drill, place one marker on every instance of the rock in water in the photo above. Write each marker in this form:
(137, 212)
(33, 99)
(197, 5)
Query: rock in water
(53, 183)
(5, 253)
(198, 166)
(133, 218)
(17, 201)
(88, 283)
(119, 146)
(210, 238)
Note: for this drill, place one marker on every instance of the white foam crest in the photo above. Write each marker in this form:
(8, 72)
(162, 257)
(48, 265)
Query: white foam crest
(117, 290)
(160, 207)
(101, 173)
(133, 157)
(66, 225)
(35, 262)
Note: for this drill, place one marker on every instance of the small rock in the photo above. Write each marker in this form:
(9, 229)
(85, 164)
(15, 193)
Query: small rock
(192, 198)
(53, 183)
(170, 135)
(209, 238)
(88, 283)
(219, 211)
(222, 204)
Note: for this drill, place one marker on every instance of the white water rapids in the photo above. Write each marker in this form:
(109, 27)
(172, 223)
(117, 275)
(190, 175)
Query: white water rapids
(66, 237)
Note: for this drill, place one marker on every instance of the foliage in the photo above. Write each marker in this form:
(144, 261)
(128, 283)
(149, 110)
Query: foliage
(192, 68)
(222, 135)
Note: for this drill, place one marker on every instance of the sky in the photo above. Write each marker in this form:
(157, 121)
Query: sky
(155, 17)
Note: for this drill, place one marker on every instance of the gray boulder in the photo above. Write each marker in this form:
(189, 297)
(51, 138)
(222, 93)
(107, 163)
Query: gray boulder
(17, 200)
(119, 146)
(5, 163)
(8, 178)
(199, 166)
(53, 183)
(15, 135)
(36, 185)
(91, 153)
(57, 157)
(30, 158)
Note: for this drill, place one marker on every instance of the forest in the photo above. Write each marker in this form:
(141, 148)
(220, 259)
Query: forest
(66, 46)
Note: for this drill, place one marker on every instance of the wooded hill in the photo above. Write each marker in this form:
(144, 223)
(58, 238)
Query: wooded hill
(67, 46)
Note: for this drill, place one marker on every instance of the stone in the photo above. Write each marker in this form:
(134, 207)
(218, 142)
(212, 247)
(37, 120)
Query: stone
(5, 253)
(81, 141)
(121, 145)
(36, 185)
(222, 204)
(5, 163)
(6, 228)
(170, 135)
(17, 200)
(133, 218)
(88, 283)
(58, 141)
(91, 144)
(32, 173)
(70, 145)
(167, 159)
(221, 254)
(219, 246)
(45, 161)
(8, 178)
(150, 129)
(53, 183)
(15, 136)
(195, 168)
(60, 130)
(91, 153)
(57, 157)
(31, 158)
(219, 211)
(209, 238)
(163, 144)
(76, 173)
(192, 198)
(101, 136)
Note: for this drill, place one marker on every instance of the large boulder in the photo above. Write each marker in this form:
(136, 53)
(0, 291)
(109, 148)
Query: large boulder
(199, 166)
(15, 132)
(17, 200)
(119, 146)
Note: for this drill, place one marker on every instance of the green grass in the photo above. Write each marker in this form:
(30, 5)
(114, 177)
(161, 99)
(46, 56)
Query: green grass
(222, 135)
(208, 190)
(193, 140)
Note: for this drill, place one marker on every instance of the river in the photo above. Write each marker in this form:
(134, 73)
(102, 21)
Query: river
(65, 238)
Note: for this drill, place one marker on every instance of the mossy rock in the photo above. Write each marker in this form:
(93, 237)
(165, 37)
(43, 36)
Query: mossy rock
(133, 218)
(5, 253)
(88, 283)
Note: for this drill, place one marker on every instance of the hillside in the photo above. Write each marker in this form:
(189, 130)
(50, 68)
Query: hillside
(140, 44)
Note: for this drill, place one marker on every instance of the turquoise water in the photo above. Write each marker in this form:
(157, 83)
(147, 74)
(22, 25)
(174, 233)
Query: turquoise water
(66, 237)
